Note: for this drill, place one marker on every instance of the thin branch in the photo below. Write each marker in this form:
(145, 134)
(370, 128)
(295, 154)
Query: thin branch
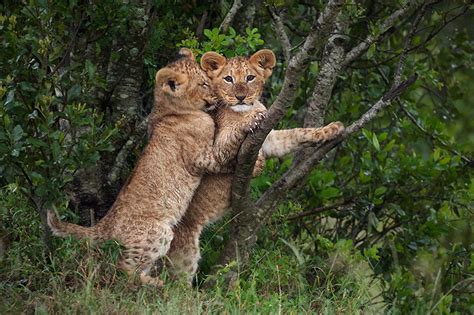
(295, 174)
(413, 119)
(331, 66)
(388, 22)
(315, 211)
(428, 38)
(282, 35)
(224, 27)
(406, 47)
(202, 23)
(321, 30)
(381, 104)
(70, 46)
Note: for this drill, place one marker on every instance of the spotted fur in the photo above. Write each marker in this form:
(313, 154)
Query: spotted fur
(158, 192)
(212, 197)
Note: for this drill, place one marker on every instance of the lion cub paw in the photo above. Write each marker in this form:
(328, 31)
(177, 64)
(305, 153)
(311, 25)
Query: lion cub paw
(333, 130)
(256, 120)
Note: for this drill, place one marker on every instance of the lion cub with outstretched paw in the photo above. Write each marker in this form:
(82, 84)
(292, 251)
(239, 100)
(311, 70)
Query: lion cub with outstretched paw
(239, 83)
(180, 150)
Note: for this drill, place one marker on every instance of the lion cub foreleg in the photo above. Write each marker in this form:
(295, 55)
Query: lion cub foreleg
(217, 158)
(282, 142)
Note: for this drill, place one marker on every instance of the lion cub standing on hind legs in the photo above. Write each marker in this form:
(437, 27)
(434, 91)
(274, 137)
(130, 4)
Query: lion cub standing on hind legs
(180, 150)
(239, 83)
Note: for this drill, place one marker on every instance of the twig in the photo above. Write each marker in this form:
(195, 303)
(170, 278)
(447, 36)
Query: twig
(297, 173)
(282, 35)
(315, 211)
(362, 47)
(230, 16)
(430, 36)
(202, 23)
(467, 160)
(406, 46)
(70, 46)
(382, 103)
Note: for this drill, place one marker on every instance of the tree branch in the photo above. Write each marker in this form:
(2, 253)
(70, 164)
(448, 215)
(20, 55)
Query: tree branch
(362, 47)
(243, 225)
(230, 16)
(406, 47)
(282, 35)
(315, 211)
(331, 66)
(321, 31)
(297, 173)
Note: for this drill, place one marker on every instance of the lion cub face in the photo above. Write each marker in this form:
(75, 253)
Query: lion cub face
(184, 84)
(239, 81)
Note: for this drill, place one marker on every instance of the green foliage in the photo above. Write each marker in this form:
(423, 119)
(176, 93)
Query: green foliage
(395, 236)
(46, 133)
(230, 44)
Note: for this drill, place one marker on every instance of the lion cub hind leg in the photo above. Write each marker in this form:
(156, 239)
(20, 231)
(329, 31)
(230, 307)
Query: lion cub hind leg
(184, 255)
(141, 254)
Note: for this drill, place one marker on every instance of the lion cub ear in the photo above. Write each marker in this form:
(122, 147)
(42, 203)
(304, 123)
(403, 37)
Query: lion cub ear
(212, 63)
(186, 53)
(170, 81)
(263, 60)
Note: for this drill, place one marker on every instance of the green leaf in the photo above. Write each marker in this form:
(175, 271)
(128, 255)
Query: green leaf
(295, 251)
(329, 192)
(371, 51)
(445, 160)
(6, 120)
(372, 253)
(10, 98)
(380, 191)
(373, 220)
(17, 133)
(73, 92)
(90, 67)
(375, 142)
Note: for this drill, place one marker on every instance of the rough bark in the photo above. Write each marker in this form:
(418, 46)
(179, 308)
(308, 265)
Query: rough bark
(230, 16)
(96, 188)
(243, 228)
(248, 216)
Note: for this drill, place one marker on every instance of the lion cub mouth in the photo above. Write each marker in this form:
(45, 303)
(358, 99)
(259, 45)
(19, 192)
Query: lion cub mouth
(241, 107)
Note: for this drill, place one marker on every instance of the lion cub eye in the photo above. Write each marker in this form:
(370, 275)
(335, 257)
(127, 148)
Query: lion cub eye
(250, 78)
(228, 79)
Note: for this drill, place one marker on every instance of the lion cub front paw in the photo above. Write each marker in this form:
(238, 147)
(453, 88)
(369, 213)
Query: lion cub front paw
(333, 130)
(256, 120)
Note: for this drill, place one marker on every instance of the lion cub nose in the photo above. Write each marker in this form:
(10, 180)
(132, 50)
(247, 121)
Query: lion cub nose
(240, 97)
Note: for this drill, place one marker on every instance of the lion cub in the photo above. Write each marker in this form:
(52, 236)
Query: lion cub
(239, 83)
(180, 150)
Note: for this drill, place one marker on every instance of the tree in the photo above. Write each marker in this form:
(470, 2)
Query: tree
(76, 82)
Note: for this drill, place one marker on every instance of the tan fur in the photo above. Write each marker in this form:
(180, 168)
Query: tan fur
(213, 196)
(181, 148)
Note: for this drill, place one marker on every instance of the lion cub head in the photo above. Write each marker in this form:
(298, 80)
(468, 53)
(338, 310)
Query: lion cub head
(239, 81)
(183, 85)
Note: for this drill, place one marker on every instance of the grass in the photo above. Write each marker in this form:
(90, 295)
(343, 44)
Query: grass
(81, 278)
(284, 277)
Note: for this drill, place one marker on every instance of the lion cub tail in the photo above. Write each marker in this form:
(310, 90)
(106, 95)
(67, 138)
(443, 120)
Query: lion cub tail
(64, 229)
